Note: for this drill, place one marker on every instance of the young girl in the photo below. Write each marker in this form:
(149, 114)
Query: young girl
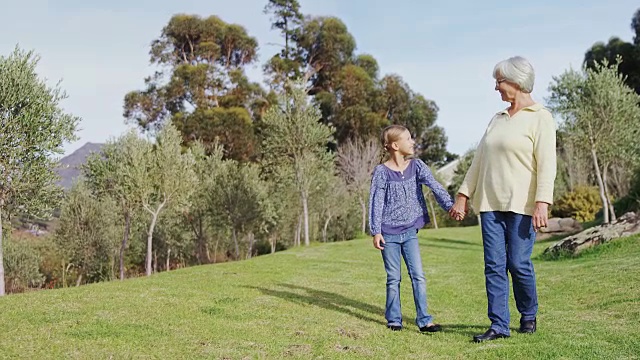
(397, 210)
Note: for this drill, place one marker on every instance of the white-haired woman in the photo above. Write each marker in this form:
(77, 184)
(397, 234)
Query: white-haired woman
(510, 183)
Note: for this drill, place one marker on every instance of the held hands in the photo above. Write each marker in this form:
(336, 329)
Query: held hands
(459, 208)
(378, 240)
(540, 216)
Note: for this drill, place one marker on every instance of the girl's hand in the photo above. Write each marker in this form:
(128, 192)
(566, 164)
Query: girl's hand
(459, 208)
(540, 215)
(378, 240)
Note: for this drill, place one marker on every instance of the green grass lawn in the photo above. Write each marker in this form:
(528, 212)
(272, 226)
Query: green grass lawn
(327, 301)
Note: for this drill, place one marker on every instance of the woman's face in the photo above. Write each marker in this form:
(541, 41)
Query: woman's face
(507, 90)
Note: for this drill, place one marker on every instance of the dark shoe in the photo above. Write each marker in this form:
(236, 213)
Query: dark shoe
(394, 327)
(432, 328)
(488, 336)
(528, 326)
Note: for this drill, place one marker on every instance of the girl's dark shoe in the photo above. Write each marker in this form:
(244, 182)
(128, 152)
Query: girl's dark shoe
(488, 336)
(394, 327)
(432, 328)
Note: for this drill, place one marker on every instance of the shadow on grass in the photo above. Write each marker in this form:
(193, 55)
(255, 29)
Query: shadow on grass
(450, 244)
(465, 329)
(326, 300)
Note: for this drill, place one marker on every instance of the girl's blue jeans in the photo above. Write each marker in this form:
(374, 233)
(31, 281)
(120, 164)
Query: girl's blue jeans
(404, 246)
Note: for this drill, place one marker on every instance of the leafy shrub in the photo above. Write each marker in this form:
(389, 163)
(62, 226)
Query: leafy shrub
(581, 204)
(22, 264)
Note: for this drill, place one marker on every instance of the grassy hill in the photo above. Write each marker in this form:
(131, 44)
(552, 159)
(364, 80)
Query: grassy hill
(327, 301)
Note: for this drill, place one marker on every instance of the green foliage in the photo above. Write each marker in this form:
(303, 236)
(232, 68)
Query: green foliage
(581, 204)
(616, 47)
(207, 95)
(22, 264)
(88, 235)
(601, 119)
(33, 129)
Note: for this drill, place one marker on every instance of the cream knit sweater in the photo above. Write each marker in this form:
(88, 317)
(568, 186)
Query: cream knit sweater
(515, 163)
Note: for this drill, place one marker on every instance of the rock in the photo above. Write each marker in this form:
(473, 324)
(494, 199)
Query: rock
(553, 225)
(626, 225)
(569, 225)
(559, 227)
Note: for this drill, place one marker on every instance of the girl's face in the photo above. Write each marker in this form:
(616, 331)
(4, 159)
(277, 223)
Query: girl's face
(405, 145)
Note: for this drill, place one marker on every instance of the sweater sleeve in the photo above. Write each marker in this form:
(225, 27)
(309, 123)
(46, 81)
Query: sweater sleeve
(425, 177)
(470, 182)
(376, 200)
(544, 152)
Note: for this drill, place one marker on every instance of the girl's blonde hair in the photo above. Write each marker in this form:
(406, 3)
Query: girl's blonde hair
(390, 134)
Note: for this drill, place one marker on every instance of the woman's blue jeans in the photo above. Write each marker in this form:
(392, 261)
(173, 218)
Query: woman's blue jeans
(404, 245)
(508, 240)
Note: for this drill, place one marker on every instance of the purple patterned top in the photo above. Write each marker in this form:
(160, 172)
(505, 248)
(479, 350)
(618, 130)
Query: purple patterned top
(396, 201)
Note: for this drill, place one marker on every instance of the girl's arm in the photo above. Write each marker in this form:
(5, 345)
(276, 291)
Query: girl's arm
(376, 200)
(425, 177)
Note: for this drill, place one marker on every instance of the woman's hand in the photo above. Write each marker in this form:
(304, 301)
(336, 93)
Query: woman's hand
(459, 208)
(378, 240)
(540, 215)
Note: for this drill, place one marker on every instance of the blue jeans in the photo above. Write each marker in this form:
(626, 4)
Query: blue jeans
(405, 244)
(508, 240)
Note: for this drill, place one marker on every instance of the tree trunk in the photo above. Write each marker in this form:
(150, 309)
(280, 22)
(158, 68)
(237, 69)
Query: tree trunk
(235, 242)
(273, 240)
(79, 280)
(324, 229)
(168, 259)
(296, 240)
(1, 251)
(603, 198)
(215, 250)
(433, 212)
(155, 261)
(125, 238)
(363, 206)
(612, 211)
(251, 237)
(154, 218)
(305, 212)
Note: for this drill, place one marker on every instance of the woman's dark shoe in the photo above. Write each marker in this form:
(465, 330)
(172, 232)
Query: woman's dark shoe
(394, 327)
(488, 336)
(431, 328)
(528, 326)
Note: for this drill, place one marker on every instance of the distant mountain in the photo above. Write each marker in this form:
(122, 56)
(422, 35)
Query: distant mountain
(69, 168)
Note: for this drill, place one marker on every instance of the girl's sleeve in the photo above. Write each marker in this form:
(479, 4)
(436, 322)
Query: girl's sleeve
(441, 194)
(376, 200)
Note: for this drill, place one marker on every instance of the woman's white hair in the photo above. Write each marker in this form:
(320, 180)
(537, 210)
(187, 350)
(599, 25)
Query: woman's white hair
(516, 70)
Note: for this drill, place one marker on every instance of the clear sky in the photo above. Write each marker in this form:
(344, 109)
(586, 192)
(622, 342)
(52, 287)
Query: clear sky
(445, 50)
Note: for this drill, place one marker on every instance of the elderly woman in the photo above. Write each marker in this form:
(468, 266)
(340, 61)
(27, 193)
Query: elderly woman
(510, 182)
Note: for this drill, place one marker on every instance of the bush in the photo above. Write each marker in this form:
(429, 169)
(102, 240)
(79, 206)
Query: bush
(22, 264)
(581, 204)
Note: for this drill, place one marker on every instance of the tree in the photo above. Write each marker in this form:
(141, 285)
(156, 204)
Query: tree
(33, 128)
(400, 105)
(118, 172)
(325, 45)
(170, 179)
(356, 160)
(296, 143)
(205, 91)
(614, 48)
(287, 64)
(207, 171)
(86, 234)
(238, 202)
(601, 119)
